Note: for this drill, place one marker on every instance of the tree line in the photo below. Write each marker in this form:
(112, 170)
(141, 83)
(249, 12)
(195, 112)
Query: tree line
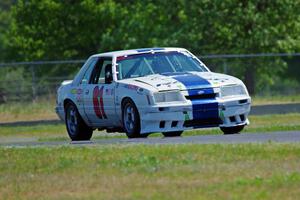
(72, 29)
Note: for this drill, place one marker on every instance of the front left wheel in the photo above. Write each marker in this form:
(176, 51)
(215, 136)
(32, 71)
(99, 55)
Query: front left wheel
(76, 127)
(131, 120)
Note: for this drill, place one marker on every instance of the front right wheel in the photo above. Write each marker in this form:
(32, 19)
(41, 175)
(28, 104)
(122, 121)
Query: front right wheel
(172, 133)
(232, 130)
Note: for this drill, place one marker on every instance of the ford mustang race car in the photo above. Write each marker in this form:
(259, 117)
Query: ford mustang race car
(142, 91)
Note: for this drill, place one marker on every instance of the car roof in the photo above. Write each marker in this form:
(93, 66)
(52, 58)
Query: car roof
(137, 51)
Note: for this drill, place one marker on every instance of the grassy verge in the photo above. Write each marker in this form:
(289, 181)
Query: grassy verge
(257, 100)
(43, 109)
(267, 123)
(251, 171)
(43, 133)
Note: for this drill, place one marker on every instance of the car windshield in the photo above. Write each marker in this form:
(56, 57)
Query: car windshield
(138, 65)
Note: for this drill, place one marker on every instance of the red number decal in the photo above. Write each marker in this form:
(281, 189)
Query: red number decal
(98, 102)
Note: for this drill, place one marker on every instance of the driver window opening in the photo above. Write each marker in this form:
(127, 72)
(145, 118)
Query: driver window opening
(103, 66)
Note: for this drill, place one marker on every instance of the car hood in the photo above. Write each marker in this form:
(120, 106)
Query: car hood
(183, 81)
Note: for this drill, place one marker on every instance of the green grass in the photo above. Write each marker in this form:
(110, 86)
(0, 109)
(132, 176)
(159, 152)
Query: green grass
(265, 123)
(248, 171)
(261, 100)
(33, 131)
(43, 133)
(42, 109)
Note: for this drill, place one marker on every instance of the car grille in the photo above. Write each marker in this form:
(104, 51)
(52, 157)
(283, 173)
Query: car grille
(201, 96)
(208, 122)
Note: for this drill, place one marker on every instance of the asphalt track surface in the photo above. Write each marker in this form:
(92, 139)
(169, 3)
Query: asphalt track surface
(280, 137)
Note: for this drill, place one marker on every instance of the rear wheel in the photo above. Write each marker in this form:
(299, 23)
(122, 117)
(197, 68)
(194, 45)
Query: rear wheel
(131, 120)
(232, 130)
(76, 127)
(172, 134)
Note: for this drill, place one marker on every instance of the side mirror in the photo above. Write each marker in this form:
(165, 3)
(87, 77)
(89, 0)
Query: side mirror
(108, 74)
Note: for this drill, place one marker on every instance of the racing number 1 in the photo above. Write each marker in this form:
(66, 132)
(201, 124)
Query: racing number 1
(98, 102)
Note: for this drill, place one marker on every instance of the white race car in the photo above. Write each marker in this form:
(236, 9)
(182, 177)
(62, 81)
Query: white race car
(143, 91)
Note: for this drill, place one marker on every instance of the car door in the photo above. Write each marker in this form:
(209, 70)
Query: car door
(99, 95)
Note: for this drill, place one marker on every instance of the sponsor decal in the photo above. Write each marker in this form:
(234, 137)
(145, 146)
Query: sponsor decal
(168, 84)
(131, 87)
(109, 92)
(98, 102)
(78, 92)
(120, 58)
(179, 86)
(221, 115)
(78, 98)
(73, 91)
(186, 117)
(216, 84)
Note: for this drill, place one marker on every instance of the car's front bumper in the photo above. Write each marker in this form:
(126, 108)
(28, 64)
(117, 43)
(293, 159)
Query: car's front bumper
(164, 118)
(234, 112)
(178, 117)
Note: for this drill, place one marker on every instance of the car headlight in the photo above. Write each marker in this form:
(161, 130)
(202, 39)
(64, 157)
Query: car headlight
(161, 97)
(233, 90)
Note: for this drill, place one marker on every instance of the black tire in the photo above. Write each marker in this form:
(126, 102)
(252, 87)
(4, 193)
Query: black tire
(76, 127)
(232, 130)
(172, 134)
(131, 120)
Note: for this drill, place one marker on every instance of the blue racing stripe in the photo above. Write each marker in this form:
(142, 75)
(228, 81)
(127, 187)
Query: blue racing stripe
(190, 81)
(202, 108)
